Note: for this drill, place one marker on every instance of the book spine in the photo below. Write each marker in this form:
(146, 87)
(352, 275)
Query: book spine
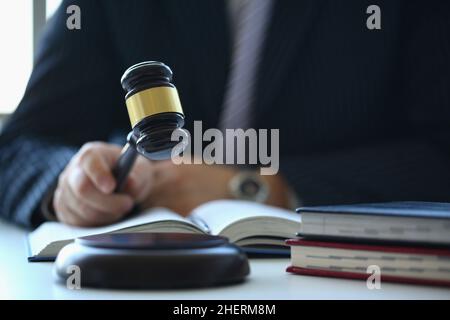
(364, 276)
(393, 248)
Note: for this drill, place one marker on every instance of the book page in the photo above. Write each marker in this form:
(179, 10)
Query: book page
(50, 232)
(220, 214)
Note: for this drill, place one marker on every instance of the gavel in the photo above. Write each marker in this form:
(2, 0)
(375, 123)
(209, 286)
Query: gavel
(155, 112)
(149, 259)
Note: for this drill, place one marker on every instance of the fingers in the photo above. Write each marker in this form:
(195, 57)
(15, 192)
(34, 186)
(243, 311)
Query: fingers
(78, 202)
(84, 195)
(85, 192)
(96, 160)
(66, 214)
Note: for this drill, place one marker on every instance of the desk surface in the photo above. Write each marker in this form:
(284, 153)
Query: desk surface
(268, 280)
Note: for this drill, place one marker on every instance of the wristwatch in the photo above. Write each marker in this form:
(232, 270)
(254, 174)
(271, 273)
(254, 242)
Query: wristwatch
(248, 185)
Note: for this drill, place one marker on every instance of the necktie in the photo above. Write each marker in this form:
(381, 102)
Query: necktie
(251, 23)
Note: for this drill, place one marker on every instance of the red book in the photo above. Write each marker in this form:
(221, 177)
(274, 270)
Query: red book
(404, 264)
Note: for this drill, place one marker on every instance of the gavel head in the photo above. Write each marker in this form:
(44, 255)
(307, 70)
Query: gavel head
(154, 108)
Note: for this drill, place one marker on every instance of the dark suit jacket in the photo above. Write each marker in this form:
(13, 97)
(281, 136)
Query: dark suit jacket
(364, 115)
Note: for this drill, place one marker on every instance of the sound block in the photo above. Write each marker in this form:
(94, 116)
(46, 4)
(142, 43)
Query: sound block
(152, 261)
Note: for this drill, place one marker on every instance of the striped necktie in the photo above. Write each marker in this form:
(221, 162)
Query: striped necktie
(251, 22)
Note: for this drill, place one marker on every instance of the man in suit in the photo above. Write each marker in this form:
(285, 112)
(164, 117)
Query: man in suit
(363, 113)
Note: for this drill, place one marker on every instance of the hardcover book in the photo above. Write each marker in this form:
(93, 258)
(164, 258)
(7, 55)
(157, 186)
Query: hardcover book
(255, 227)
(418, 265)
(409, 222)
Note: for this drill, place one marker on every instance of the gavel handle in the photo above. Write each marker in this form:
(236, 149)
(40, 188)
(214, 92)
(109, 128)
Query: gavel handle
(124, 165)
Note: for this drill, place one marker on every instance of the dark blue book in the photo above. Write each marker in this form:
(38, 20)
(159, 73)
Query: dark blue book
(413, 222)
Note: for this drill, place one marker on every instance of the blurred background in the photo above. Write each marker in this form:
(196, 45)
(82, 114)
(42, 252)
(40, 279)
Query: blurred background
(21, 22)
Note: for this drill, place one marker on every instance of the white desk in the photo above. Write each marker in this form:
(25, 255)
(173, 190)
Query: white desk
(268, 280)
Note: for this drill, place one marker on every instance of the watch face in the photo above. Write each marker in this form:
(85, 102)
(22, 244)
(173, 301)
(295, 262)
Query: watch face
(249, 187)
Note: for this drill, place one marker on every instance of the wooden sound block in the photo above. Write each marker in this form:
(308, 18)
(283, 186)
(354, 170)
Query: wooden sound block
(152, 261)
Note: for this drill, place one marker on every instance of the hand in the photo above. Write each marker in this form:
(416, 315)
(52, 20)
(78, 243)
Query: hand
(182, 188)
(84, 195)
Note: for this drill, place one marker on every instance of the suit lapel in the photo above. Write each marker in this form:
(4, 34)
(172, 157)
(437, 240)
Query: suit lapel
(290, 25)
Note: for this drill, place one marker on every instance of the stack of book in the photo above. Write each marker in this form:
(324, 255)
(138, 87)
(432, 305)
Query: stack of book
(406, 242)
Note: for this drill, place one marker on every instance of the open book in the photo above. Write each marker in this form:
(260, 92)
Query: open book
(256, 228)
